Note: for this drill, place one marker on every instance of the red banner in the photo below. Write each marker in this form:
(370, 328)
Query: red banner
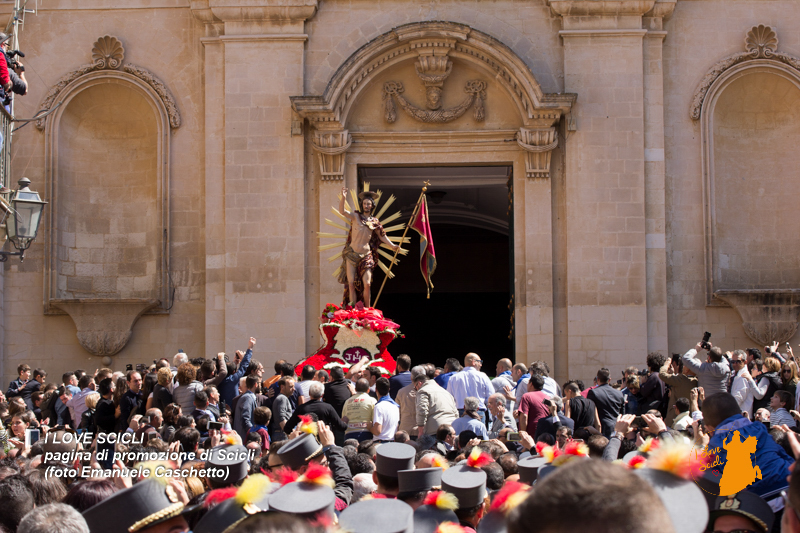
(421, 224)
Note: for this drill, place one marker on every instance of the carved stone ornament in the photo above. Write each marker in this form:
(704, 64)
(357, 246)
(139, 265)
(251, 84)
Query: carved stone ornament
(331, 148)
(109, 54)
(433, 67)
(538, 145)
(767, 316)
(104, 325)
(428, 45)
(761, 42)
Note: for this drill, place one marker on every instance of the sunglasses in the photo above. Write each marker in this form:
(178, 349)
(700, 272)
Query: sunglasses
(737, 531)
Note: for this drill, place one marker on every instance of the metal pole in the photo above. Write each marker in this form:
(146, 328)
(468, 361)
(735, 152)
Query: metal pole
(413, 215)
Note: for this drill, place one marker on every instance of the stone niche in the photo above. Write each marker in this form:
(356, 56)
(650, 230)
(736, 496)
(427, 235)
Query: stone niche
(749, 108)
(107, 150)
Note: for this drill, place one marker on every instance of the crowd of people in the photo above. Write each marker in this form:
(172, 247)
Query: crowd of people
(436, 449)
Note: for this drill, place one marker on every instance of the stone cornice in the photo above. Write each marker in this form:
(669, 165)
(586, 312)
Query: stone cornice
(601, 7)
(663, 9)
(263, 10)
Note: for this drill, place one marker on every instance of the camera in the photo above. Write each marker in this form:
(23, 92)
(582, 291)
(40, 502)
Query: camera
(13, 63)
(513, 436)
(128, 367)
(140, 367)
(704, 343)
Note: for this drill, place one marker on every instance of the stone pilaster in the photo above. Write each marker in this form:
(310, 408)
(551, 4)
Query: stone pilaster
(606, 280)
(655, 177)
(254, 176)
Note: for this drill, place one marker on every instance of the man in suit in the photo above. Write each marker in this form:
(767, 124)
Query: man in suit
(243, 412)
(34, 385)
(608, 400)
(555, 420)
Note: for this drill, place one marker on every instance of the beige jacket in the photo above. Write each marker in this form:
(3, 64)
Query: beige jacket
(435, 406)
(407, 399)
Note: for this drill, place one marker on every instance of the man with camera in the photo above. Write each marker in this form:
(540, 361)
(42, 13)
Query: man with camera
(713, 374)
(16, 71)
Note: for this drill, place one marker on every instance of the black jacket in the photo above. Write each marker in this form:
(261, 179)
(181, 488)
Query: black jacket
(775, 384)
(341, 476)
(336, 393)
(324, 412)
(161, 397)
(104, 417)
(26, 391)
(609, 402)
(15, 387)
(546, 425)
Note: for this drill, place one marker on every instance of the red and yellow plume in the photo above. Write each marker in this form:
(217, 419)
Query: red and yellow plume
(318, 475)
(540, 446)
(218, 496)
(441, 500)
(576, 448)
(550, 453)
(232, 439)
(478, 458)
(637, 461)
(284, 475)
(679, 459)
(307, 425)
(650, 445)
(511, 495)
(450, 527)
(253, 489)
(440, 462)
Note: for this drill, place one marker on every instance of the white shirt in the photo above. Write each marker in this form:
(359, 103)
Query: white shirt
(388, 416)
(470, 382)
(302, 388)
(77, 405)
(743, 390)
(522, 388)
(550, 386)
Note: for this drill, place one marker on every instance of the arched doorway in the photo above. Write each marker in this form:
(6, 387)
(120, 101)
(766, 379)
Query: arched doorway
(381, 109)
(470, 218)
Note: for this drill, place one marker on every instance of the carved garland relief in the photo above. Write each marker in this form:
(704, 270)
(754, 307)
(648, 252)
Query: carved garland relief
(109, 54)
(433, 70)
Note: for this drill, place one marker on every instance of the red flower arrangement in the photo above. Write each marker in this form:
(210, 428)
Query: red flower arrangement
(352, 333)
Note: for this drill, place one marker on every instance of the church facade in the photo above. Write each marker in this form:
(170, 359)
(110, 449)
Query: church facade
(194, 150)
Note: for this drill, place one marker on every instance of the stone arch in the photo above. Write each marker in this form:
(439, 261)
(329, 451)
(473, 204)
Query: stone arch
(481, 50)
(748, 105)
(107, 246)
(538, 111)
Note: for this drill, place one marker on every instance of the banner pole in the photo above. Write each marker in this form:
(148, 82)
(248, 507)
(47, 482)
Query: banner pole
(410, 220)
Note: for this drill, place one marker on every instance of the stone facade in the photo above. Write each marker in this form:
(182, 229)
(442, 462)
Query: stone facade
(196, 147)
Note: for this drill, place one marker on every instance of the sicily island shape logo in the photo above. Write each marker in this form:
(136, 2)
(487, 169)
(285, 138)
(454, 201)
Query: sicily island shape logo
(737, 471)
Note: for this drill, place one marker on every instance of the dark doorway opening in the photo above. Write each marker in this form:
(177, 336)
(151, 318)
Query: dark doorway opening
(470, 306)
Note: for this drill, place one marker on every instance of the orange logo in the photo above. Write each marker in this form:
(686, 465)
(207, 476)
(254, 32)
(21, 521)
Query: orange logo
(738, 471)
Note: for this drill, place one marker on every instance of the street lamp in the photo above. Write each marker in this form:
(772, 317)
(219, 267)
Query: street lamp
(22, 219)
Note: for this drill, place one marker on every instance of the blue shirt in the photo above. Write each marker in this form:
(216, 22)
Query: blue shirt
(398, 382)
(443, 379)
(229, 388)
(468, 423)
(771, 459)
